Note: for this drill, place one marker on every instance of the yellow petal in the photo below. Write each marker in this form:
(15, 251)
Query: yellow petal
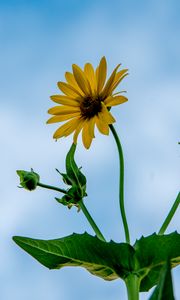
(71, 80)
(66, 129)
(109, 83)
(65, 100)
(81, 80)
(68, 89)
(96, 76)
(89, 72)
(118, 78)
(106, 115)
(61, 110)
(120, 92)
(91, 127)
(101, 125)
(77, 131)
(112, 101)
(109, 98)
(101, 74)
(120, 74)
(61, 118)
(86, 137)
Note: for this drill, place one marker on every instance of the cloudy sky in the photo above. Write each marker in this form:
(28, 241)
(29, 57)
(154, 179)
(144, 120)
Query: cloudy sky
(39, 42)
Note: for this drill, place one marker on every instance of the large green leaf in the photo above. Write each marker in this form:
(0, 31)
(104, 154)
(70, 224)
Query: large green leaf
(106, 260)
(164, 289)
(152, 252)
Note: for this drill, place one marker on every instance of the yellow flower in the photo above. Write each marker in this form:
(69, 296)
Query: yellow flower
(86, 101)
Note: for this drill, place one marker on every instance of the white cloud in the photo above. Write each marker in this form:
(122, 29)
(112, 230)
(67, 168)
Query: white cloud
(148, 125)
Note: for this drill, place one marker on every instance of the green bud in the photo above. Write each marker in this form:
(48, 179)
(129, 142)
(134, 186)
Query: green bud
(28, 180)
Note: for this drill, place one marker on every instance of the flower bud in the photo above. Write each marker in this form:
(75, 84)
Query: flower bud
(28, 180)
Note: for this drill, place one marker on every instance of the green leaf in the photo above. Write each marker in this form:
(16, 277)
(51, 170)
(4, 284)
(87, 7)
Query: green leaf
(73, 172)
(65, 200)
(75, 179)
(67, 180)
(164, 289)
(106, 260)
(152, 252)
(71, 198)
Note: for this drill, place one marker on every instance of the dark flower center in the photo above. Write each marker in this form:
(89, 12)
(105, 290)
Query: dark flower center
(90, 106)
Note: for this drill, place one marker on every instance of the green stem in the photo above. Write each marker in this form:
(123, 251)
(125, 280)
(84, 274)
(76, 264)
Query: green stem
(170, 215)
(50, 187)
(132, 285)
(83, 208)
(91, 221)
(121, 183)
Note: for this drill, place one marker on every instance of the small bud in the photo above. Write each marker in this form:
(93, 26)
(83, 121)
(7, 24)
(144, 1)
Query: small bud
(28, 180)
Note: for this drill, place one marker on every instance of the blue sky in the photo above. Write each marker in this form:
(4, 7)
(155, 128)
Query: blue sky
(39, 42)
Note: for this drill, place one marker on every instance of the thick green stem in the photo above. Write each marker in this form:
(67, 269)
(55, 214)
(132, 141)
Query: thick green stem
(132, 285)
(170, 215)
(91, 221)
(121, 183)
(50, 187)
